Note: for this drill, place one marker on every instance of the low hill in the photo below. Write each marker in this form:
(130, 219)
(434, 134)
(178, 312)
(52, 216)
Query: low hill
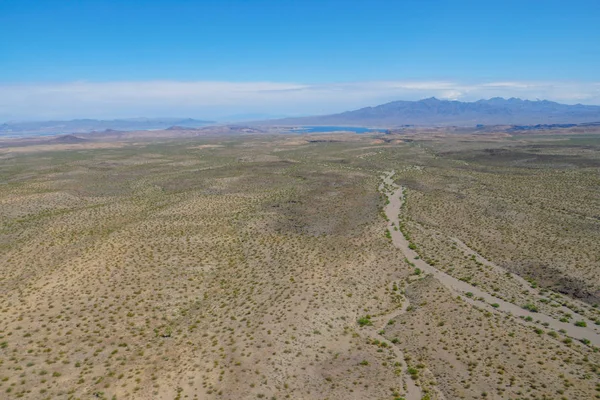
(68, 139)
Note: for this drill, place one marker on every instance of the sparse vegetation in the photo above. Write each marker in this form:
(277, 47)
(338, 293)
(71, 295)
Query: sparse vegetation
(203, 268)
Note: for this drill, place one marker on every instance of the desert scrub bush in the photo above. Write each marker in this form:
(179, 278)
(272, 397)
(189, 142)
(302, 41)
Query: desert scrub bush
(413, 372)
(530, 307)
(365, 321)
(165, 332)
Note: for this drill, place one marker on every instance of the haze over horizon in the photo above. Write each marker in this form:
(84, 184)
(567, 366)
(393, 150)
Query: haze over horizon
(155, 122)
(212, 60)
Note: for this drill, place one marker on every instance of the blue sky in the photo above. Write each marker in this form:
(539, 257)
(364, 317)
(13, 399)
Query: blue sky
(90, 58)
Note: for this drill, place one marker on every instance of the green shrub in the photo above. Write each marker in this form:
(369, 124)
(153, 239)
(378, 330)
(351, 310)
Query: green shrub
(530, 307)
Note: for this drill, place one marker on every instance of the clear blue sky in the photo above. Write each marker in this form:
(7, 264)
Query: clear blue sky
(302, 41)
(307, 41)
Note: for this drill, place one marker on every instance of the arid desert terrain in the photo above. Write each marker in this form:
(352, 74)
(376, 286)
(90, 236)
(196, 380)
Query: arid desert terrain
(407, 265)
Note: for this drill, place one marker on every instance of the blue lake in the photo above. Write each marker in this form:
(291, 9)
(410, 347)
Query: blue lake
(317, 129)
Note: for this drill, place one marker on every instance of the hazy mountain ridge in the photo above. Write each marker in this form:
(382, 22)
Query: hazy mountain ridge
(432, 111)
(89, 125)
(520, 114)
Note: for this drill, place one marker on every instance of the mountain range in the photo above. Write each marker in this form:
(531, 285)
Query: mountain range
(432, 111)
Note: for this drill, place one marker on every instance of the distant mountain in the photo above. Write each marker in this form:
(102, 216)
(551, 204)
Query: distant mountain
(432, 111)
(89, 125)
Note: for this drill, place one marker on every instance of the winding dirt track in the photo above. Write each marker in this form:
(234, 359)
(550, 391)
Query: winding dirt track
(392, 210)
(413, 392)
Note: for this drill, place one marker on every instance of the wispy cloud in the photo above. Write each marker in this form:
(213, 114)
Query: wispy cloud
(216, 99)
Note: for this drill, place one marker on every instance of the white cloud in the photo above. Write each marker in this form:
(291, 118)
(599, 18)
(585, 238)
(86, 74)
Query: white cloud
(203, 99)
